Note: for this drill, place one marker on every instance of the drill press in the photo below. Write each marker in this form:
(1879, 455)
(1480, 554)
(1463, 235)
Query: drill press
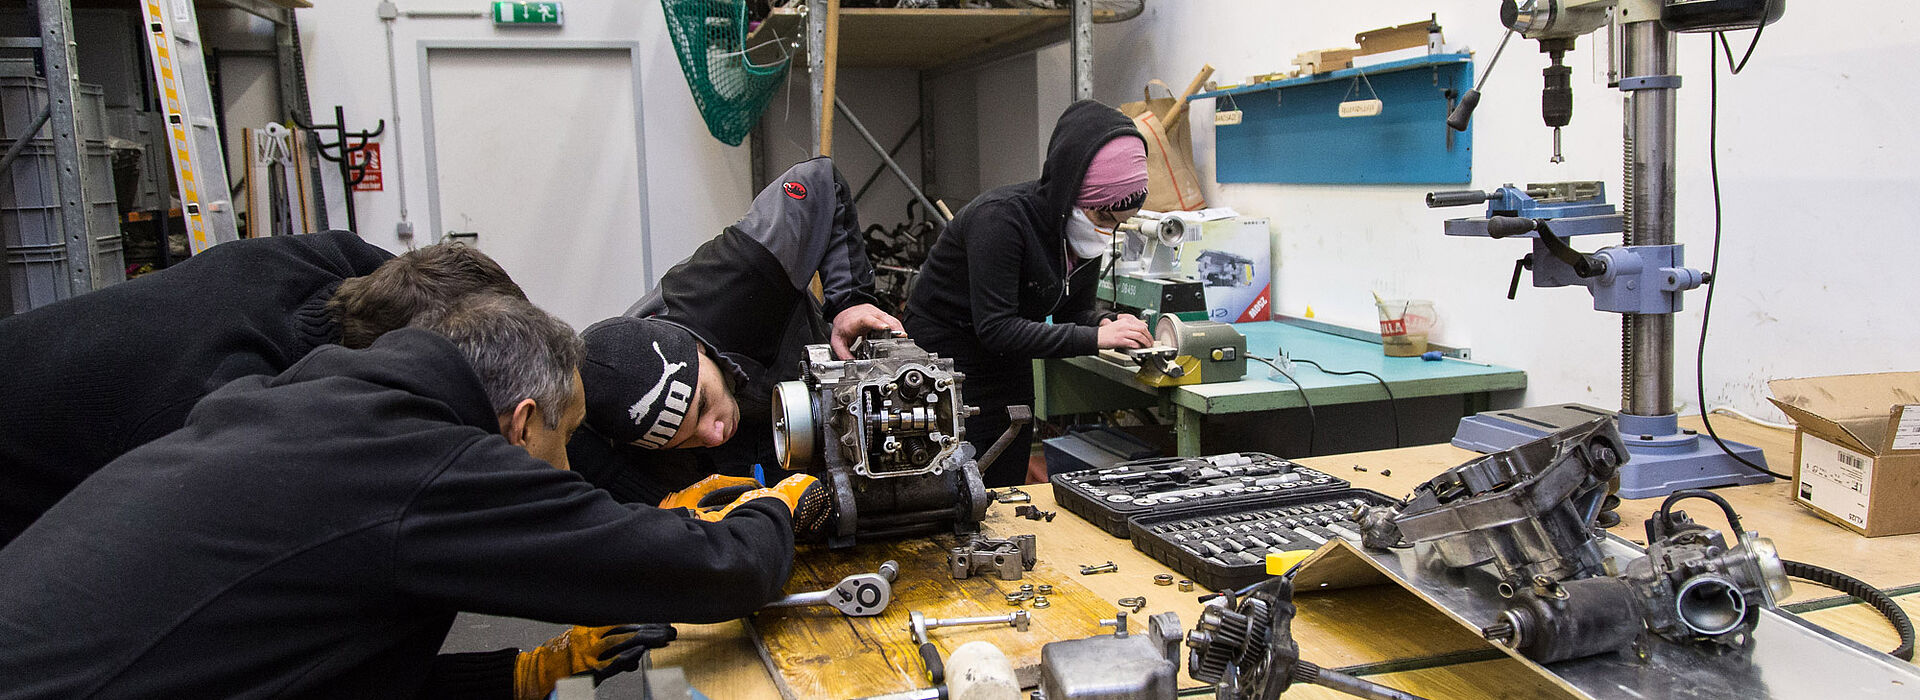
(1643, 278)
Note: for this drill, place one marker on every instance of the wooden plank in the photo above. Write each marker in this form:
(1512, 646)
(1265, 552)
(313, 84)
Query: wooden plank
(819, 653)
(918, 38)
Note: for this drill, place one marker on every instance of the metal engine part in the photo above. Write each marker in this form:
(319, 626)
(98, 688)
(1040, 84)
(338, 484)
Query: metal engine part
(886, 431)
(1690, 587)
(1009, 558)
(1120, 666)
(1530, 510)
(1245, 650)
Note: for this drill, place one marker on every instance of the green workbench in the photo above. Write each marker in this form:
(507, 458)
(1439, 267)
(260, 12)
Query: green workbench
(1090, 384)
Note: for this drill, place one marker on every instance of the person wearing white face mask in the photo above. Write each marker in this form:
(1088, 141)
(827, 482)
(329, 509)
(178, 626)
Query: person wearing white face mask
(1021, 254)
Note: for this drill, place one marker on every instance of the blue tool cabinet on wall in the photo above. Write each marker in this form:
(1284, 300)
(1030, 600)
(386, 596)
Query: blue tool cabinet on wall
(1291, 131)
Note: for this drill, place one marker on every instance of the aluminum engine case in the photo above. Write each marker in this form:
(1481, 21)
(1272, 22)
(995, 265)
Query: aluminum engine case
(886, 431)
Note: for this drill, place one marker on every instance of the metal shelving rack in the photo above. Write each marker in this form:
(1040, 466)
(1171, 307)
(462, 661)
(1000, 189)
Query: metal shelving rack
(934, 42)
(57, 47)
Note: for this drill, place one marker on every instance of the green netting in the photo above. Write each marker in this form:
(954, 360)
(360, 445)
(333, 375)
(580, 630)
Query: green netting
(710, 37)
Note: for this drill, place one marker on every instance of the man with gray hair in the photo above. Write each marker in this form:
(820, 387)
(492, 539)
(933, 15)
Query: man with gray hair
(314, 533)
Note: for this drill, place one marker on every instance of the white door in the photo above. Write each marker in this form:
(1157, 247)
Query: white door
(534, 153)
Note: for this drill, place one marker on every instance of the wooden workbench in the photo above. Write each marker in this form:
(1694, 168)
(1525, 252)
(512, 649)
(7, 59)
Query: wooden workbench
(1090, 384)
(1442, 661)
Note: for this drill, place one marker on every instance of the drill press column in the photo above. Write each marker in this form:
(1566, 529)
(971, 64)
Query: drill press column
(1647, 348)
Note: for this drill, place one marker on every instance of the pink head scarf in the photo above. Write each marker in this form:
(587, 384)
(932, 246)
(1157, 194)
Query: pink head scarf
(1117, 176)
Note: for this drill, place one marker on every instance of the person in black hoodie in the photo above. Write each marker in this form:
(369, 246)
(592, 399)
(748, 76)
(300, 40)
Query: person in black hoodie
(89, 378)
(1020, 253)
(744, 296)
(312, 534)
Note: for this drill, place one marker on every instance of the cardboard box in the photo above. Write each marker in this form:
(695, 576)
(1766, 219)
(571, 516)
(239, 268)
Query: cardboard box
(1234, 259)
(1857, 450)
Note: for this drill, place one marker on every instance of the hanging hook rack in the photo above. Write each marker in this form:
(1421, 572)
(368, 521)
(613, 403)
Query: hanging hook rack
(341, 150)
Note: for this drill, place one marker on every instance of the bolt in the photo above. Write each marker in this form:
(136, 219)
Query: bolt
(1386, 472)
(1359, 468)
(1106, 568)
(1138, 603)
(1163, 580)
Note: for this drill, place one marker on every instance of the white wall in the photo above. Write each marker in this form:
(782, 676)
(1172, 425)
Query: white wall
(1816, 164)
(695, 185)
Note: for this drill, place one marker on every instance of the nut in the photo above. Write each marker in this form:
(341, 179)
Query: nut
(1186, 586)
(1163, 579)
(1046, 589)
(1026, 588)
(1041, 602)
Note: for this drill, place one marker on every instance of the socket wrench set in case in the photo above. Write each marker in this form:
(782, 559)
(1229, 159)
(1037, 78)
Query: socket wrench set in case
(1225, 545)
(1215, 518)
(1109, 497)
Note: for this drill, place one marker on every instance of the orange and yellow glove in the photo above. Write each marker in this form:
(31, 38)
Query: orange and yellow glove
(711, 492)
(603, 650)
(806, 498)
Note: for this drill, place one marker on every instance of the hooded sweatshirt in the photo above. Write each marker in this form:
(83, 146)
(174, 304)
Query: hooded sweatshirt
(312, 534)
(1002, 267)
(745, 292)
(88, 378)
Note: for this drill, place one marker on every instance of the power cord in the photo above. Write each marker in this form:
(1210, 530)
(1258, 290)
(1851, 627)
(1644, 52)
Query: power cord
(1313, 422)
(1713, 270)
(1392, 407)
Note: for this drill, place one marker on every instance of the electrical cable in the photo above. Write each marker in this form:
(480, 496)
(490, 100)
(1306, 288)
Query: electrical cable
(1713, 269)
(1313, 422)
(1878, 599)
(1392, 407)
(1750, 418)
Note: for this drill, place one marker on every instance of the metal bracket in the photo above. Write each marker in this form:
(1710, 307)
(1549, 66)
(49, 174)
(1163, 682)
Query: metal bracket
(1009, 558)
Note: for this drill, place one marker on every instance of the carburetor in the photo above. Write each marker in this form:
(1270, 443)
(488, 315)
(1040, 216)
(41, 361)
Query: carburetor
(886, 431)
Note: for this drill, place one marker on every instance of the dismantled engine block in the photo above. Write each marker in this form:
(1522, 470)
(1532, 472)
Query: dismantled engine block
(1531, 511)
(885, 431)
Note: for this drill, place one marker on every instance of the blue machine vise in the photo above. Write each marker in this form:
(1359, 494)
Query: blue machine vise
(1623, 279)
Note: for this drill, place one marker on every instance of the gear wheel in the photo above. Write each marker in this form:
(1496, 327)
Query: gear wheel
(1224, 637)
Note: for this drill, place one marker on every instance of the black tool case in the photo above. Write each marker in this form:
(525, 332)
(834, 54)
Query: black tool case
(1224, 545)
(1108, 497)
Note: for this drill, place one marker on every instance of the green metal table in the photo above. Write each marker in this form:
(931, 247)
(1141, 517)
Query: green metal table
(1091, 384)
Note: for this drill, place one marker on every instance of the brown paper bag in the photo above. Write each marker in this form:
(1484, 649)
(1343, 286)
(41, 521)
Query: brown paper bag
(1172, 183)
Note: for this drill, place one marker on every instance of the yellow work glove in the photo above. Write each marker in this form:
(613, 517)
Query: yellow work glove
(603, 650)
(807, 500)
(712, 491)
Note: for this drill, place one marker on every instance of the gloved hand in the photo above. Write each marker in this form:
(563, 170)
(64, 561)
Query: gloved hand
(603, 650)
(713, 491)
(806, 498)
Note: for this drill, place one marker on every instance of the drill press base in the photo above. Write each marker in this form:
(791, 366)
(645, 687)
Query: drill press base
(1664, 458)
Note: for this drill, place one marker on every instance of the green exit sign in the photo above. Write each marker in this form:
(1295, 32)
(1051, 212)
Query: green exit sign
(545, 14)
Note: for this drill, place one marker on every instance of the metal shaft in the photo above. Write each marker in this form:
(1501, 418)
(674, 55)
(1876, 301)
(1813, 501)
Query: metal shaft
(1007, 619)
(1647, 349)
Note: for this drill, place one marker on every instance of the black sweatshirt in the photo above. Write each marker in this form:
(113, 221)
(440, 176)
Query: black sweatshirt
(745, 293)
(91, 377)
(312, 535)
(1002, 266)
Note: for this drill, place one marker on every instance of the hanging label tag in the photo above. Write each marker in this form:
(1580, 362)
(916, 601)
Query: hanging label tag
(1226, 118)
(1360, 108)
